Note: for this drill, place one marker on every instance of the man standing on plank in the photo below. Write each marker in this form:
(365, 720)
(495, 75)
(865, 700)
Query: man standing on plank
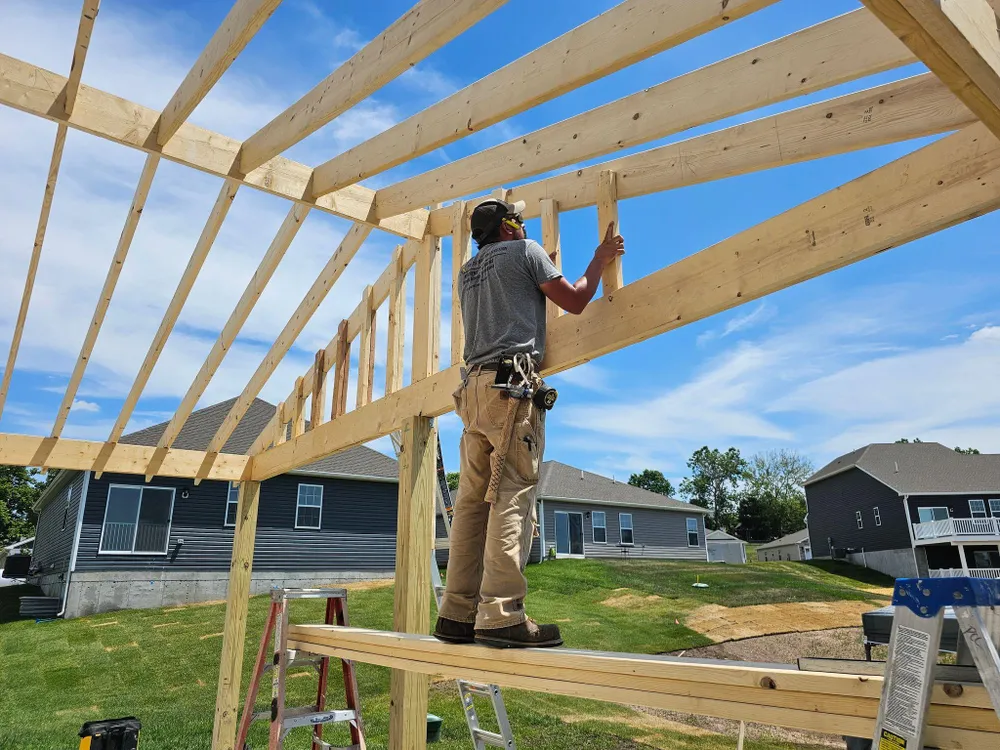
(502, 292)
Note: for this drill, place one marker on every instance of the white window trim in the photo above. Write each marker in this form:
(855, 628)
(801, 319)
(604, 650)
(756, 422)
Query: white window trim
(859, 519)
(297, 506)
(138, 511)
(688, 532)
(568, 555)
(878, 516)
(236, 502)
(994, 513)
(595, 526)
(631, 527)
(983, 513)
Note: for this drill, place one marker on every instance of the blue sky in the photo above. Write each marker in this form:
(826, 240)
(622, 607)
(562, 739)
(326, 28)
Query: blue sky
(904, 344)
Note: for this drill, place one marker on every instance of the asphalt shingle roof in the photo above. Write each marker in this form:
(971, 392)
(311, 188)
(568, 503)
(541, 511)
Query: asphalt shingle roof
(202, 425)
(718, 535)
(558, 480)
(916, 468)
(796, 537)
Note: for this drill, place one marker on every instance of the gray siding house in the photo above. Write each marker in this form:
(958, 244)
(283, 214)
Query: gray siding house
(794, 546)
(119, 542)
(908, 509)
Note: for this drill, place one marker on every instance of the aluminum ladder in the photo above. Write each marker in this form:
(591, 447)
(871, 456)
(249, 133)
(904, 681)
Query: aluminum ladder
(277, 658)
(467, 691)
(913, 649)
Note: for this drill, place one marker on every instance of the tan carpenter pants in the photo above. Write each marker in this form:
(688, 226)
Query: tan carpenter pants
(490, 543)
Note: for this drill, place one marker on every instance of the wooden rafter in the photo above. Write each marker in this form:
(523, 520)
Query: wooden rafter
(87, 18)
(833, 52)
(427, 26)
(461, 251)
(622, 36)
(396, 338)
(110, 282)
(894, 112)
(958, 41)
(35, 90)
(244, 19)
(952, 180)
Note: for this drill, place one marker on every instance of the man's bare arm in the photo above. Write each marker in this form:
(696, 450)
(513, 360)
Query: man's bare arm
(574, 298)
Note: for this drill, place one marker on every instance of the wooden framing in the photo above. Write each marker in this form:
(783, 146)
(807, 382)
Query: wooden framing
(952, 180)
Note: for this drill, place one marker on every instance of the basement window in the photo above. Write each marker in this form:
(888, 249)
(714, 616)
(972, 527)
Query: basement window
(625, 528)
(137, 520)
(599, 522)
(861, 523)
(232, 504)
(309, 509)
(878, 517)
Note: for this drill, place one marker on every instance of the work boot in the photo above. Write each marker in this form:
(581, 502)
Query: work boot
(527, 634)
(452, 631)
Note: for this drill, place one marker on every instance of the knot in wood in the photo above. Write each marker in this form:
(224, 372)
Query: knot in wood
(768, 683)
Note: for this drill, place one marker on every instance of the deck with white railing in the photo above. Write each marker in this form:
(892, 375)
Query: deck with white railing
(957, 528)
(958, 572)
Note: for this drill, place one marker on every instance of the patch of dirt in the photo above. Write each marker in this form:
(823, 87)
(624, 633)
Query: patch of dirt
(641, 720)
(381, 583)
(167, 624)
(133, 644)
(631, 601)
(211, 603)
(728, 623)
(209, 635)
(841, 643)
(104, 624)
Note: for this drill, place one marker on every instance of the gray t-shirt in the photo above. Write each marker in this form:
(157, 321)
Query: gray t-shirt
(503, 308)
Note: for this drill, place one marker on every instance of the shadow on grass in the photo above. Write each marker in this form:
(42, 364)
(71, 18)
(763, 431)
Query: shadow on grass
(855, 572)
(10, 600)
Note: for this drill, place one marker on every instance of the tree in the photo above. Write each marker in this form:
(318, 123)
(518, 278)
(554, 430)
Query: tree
(715, 477)
(966, 451)
(652, 480)
(452, 477)
(19, 491)
(773, 502)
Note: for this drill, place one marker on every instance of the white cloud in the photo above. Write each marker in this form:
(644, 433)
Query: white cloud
(81, 405)
(741, 321)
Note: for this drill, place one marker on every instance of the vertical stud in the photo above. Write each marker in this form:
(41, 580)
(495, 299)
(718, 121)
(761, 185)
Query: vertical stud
(607, 211)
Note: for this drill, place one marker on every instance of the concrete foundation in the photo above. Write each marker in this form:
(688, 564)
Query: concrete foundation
(898, 563)
(91, 593)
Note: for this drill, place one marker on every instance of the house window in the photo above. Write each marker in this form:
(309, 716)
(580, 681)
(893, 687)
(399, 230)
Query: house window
(878, 517)
(69, 497)
(861, 523)
(309, 510)
(978, 508)
(137, 520)
(692, 529)
(232, 504)
(995, 507)
(625, 528)
(932, 514)
(599, 522)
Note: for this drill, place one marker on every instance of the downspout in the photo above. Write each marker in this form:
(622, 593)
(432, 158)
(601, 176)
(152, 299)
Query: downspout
(76, 541)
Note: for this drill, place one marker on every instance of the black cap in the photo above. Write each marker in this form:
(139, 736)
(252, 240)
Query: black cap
(488, 215)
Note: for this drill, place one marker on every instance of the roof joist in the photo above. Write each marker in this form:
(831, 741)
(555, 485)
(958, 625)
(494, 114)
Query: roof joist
(952, 180)
(619, 37)
(427, 26)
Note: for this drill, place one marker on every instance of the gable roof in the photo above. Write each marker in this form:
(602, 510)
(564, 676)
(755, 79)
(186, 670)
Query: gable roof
(718, 535)
(564, 482)
(202, 425)
(796, 537)
(919, 468)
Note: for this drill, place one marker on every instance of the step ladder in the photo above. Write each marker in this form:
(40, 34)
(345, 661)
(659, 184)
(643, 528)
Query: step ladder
(274, 656)
(467, 691)
(913, 649)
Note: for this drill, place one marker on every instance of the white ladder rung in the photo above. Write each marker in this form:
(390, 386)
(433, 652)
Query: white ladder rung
(490, 738)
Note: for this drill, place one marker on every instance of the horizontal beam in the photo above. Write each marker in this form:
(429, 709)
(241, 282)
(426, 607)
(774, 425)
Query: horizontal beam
(244, 19)
(832, 703)
(833, 52)
(619, 37)
(898, 111)
(424, 28)
(37, 91)
(81, 455)
(958, 41)
(953, 180)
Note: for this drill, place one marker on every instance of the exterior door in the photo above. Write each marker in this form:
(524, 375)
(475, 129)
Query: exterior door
(569, 534)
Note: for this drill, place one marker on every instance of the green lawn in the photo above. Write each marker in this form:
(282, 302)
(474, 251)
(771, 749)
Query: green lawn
(160, 665)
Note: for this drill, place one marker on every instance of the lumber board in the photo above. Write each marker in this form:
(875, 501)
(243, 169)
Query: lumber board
(366, 350)
(607, 213)
(461, 252)
(244, 19)
(313, 298)
(37, 91)
(234, 629)
(424, 28)
(552, 242)
(950, 181)
(227, 193)
(619, 37)
(317, 406)
(298, 418)
(909, 108)
(88, 16)
(958, 41)
(426, 309)
(833, 52)
(396, 338)
(412, 600)
(108, 290)
(342, 371)
(63, 453)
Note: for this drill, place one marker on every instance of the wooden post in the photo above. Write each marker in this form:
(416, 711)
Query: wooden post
(280, 435)
(397, 324)
(412, 605)
(427, 309)
(552, 244)
(316, 413)
(461, 251)
(607, 211)
(298, 419)
(234, 631)
(366, 349)
(342, 372)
